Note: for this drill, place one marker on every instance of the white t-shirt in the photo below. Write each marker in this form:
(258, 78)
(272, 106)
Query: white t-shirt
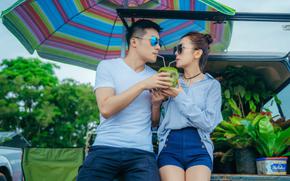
(131, 127)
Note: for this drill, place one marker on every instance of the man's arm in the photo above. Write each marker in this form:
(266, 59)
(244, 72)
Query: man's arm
(109, 103)
(156, 99)
(155, 116)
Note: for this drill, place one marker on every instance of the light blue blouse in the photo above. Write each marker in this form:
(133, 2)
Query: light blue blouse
(199, 106)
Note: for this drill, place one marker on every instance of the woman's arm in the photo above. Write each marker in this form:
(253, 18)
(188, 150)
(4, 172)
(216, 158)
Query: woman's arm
(206, 119)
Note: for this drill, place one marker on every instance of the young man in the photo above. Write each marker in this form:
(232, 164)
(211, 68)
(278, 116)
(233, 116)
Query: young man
(123, 144)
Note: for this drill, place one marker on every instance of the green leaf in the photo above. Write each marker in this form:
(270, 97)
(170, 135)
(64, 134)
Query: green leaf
(229, 135)
(279, 149)
(283, 137)
(250, 129)
(251, 116)
(227, 94)
(265, 127)
(230, 128)
(219, 129)
(239, 90)
(262, 148)
(248, 96)
(257, 119)
(235, 120)
(287, 154)
(267, 110)
(252, 106)
(234, 106)
(256, 97)
(277, 100)
(266, 136)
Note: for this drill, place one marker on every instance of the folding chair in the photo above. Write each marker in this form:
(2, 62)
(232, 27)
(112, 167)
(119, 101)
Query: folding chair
(51, 164)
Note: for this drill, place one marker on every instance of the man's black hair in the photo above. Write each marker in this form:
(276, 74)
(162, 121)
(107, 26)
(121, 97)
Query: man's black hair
(138, 28)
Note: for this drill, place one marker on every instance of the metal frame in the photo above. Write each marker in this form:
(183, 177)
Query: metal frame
(206, 16)
(199, 15)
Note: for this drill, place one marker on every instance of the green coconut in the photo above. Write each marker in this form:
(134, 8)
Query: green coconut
(173, 74)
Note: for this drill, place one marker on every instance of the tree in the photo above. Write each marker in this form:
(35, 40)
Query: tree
(50, 113)
(76, 107)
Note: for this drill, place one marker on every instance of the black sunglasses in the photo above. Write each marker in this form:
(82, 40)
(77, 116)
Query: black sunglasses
(179, 49)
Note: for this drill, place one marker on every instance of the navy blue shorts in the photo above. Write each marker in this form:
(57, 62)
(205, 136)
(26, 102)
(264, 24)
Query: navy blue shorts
(183, 148)
(105, 163)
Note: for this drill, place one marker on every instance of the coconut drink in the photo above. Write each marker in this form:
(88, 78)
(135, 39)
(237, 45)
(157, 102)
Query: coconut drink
(174, 75)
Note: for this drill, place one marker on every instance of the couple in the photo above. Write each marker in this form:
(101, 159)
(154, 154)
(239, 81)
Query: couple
(129, 104)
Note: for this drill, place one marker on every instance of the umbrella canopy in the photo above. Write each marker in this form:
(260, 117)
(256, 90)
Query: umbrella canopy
(82, 32)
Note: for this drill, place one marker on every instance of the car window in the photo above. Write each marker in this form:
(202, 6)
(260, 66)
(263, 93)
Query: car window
(283, 95)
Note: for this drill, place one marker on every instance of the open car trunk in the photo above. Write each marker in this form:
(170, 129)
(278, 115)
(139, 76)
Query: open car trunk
(257, 40)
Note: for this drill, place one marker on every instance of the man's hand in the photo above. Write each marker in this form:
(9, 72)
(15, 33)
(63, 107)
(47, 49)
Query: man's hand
(160, 81)
(157, 97)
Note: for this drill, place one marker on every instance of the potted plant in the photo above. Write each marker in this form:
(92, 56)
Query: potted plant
(234, 133)
(271, 142)
(244, 92)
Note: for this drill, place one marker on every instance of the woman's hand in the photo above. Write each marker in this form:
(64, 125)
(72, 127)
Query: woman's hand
(172, 92)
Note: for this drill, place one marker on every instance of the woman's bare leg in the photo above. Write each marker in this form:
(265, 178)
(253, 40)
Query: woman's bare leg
(172, 173)
(198, 173)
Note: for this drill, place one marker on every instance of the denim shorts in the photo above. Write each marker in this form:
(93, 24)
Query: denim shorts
(184, 148)
(105, 163)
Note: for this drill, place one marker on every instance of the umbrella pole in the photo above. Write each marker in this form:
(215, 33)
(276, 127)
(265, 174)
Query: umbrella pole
(123, 46)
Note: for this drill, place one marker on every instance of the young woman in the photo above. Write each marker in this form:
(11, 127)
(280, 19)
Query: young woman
(190, 114)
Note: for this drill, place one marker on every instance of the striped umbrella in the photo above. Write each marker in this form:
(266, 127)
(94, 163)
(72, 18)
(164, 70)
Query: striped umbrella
(83, 32)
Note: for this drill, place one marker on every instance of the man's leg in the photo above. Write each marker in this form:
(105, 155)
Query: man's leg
(140, 166)
(102, 164)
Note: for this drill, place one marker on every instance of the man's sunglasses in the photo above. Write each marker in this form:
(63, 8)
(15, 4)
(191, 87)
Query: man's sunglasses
(179, 49)
(153, 40)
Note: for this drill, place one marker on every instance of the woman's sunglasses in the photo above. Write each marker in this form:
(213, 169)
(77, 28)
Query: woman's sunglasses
(179, 49)
(153, 40)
